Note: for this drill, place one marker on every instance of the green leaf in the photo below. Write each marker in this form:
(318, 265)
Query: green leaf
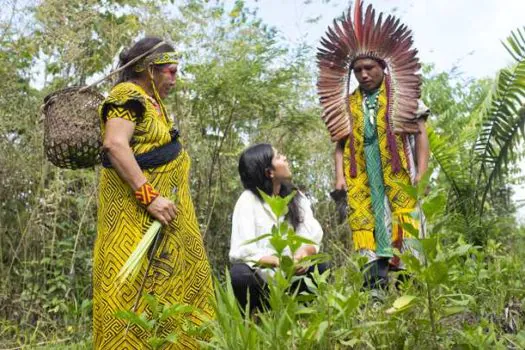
(430, 247)
(412, 263)
(301, 239)
(279, 244)
(306, 311)
(422, 185)
(172, 338)
(436, 273)
(434, 205)
(153, 304)
(351, 343)
(278, 204)
(174, 310)
(321, 330)
(414, 243)
(402, 303)
(310, 284)
(260, 238)
(372, 324)
(409, 189)
(135, 319)
(156, 342)
(287, 265)
(462, 250)
(86, 304)
(449, 311)
(284, 228)
(414, 231)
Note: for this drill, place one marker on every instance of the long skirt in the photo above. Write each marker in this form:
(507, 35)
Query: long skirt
(179, 272)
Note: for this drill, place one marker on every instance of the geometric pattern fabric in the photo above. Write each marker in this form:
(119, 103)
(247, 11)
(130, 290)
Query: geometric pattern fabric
(179, 272)
(361, 217)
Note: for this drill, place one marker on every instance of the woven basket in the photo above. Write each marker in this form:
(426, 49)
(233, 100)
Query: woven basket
(72, 137)
(72, 127)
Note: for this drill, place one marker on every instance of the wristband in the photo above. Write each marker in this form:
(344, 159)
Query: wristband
(146, 194)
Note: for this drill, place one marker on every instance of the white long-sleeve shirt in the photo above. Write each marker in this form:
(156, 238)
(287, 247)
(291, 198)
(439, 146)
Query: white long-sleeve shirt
(253, 218)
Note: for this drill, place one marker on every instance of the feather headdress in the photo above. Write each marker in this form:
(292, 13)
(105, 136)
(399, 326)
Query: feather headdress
(386, 40)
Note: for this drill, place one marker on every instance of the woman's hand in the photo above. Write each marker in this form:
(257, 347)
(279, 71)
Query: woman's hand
(269, 261)
(300, 268)
(162, 209)
(300, 254)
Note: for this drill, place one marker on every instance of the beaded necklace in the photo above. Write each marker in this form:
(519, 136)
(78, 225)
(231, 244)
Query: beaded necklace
(371, 104)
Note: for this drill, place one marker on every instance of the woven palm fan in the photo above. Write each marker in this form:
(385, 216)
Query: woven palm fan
(72, 137)
(363, 36)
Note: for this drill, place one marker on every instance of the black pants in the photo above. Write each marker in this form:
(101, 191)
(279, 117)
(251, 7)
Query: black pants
(250, 287)
(376, 274)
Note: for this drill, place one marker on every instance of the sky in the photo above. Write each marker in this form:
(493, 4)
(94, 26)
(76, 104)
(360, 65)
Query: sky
(464, 35)
(448, 33)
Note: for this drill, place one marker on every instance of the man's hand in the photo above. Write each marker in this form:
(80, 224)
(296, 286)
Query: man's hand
(417, 179)
(340, 184)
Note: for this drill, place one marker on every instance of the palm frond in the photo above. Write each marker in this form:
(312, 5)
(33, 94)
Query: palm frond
(498, 120)
(506, 150)
(445, 153)
(132, 266)
(515, 44)
(502, 120)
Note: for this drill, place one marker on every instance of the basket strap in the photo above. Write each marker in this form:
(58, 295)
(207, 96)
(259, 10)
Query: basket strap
(123, 67)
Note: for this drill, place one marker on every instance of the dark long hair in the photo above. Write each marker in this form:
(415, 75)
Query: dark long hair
(140, 47)
(253, 164)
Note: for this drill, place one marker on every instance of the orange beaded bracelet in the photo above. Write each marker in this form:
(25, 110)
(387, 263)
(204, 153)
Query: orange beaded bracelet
(146, 194)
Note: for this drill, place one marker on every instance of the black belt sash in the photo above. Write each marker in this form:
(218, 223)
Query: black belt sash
(156, 157)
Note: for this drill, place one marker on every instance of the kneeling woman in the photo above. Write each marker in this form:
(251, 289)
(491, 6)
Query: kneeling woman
(262, 167)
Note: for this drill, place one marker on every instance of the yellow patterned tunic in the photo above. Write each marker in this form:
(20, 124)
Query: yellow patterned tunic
(400, 207)
(179, 272)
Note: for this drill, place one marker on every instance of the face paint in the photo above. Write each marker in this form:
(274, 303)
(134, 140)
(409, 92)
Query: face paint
(165, 78)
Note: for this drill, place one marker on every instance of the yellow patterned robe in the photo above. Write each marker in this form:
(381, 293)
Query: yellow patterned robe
(399, 205)
(180, 272)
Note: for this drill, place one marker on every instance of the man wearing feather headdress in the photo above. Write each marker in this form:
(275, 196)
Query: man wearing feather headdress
(379, 130)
